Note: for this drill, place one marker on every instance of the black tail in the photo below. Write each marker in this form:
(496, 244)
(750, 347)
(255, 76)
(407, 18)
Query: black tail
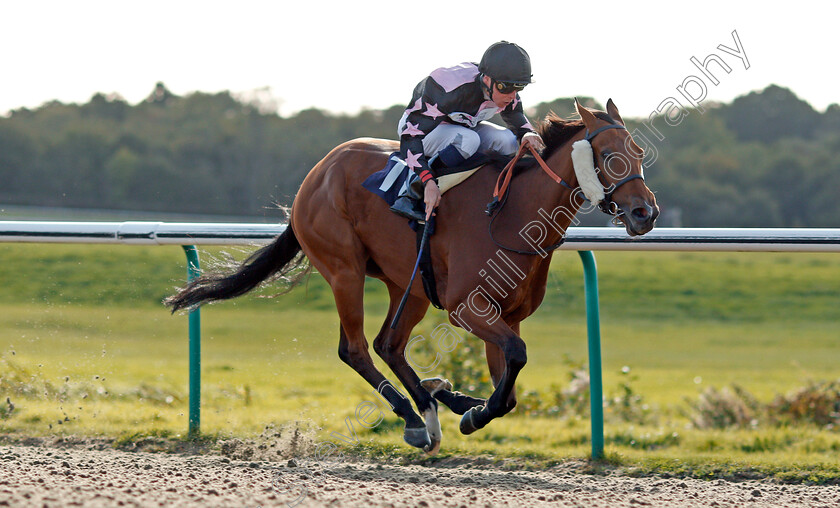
(279, 258)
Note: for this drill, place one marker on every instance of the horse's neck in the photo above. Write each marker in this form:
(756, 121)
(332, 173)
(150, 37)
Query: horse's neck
(542, 199)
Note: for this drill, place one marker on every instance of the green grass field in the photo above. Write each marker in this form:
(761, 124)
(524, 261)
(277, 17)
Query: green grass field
(86, 348)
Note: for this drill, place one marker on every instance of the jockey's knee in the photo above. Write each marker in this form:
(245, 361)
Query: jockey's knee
(496, 139)
(467, 142)
(503, 142)
(464, 146)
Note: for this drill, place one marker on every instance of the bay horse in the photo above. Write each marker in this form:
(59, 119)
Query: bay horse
(347, 233)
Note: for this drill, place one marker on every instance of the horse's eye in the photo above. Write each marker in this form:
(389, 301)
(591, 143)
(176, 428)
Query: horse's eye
(606, 154)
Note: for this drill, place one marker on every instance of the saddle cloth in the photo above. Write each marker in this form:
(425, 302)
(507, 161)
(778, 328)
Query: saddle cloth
(389, 182)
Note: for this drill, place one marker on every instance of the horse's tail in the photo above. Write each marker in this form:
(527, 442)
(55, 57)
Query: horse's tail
(278, 259)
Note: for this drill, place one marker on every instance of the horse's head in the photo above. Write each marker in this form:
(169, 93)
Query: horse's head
(618, 160)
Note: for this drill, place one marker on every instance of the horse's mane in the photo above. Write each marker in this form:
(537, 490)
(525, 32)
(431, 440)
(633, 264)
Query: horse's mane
(556, 131)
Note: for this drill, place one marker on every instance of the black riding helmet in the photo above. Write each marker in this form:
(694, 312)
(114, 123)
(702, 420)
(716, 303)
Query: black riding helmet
(507, 63)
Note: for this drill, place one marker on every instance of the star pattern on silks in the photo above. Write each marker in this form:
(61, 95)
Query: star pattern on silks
(417, 106)
(432, 111)
(412, 130)
(527, 125)
(411, 160)
(515, 102)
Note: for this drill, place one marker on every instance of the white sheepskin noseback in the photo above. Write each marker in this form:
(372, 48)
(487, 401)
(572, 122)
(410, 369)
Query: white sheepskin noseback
(584, 163)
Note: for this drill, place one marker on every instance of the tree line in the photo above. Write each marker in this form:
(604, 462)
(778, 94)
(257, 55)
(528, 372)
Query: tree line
(764, 160)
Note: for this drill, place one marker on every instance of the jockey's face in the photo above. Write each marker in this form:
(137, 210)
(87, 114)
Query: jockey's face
(500, 99)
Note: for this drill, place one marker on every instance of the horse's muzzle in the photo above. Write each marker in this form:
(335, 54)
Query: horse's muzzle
(640, 219)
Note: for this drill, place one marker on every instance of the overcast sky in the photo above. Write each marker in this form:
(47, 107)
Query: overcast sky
(344, 56)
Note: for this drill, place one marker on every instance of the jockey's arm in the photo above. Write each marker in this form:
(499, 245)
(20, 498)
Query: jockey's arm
(514, 117)
(431, 197)
(411, 146)
(421, 120)
(533, 139)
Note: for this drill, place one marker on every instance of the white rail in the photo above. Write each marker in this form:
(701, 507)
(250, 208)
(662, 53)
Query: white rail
(577, 238)
(580, 239)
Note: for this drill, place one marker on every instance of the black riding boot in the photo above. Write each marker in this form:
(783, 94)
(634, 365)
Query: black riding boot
(410, 203)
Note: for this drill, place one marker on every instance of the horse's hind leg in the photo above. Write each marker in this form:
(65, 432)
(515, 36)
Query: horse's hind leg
(348, 289)
(341, 259)
(390, 346)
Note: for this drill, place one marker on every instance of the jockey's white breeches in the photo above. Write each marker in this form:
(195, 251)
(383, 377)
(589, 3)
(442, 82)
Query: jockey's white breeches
(486, 137)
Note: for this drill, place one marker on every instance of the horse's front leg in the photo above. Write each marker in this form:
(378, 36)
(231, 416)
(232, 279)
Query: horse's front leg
(506, 357)
(513, 348)
(496, 364)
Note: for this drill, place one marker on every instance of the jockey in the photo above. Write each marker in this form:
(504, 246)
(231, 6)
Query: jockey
(445, 124)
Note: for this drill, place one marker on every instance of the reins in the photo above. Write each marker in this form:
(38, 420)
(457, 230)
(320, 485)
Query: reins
(503, 181)
(501, 191)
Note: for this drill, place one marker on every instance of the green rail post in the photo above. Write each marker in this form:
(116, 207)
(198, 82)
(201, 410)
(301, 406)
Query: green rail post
(193, 271)
(593, 326)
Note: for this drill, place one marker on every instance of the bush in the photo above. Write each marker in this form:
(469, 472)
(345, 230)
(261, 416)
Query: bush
(725, 408)
(817, 403)
(574, 399)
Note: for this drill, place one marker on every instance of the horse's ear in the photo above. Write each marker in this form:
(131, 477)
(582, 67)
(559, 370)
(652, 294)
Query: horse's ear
(588, 118)
(613, 112)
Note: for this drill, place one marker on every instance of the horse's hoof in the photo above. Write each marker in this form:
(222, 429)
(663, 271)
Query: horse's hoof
(433, 449)
(468, 424)
(436, 384)
(433, 427)
(418, 438)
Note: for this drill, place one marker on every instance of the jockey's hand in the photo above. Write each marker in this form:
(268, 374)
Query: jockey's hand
(533, 139)
(431, 196)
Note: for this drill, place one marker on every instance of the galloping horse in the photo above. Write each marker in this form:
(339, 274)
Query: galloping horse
(347, 232)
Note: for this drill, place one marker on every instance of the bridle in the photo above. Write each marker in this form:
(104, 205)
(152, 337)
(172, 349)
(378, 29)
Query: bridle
(607, 205)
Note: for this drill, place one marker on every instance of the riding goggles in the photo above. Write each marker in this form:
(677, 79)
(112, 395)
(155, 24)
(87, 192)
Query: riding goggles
(509, 87)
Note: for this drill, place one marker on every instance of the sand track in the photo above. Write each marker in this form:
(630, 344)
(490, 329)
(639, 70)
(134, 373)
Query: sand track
(92, 473)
